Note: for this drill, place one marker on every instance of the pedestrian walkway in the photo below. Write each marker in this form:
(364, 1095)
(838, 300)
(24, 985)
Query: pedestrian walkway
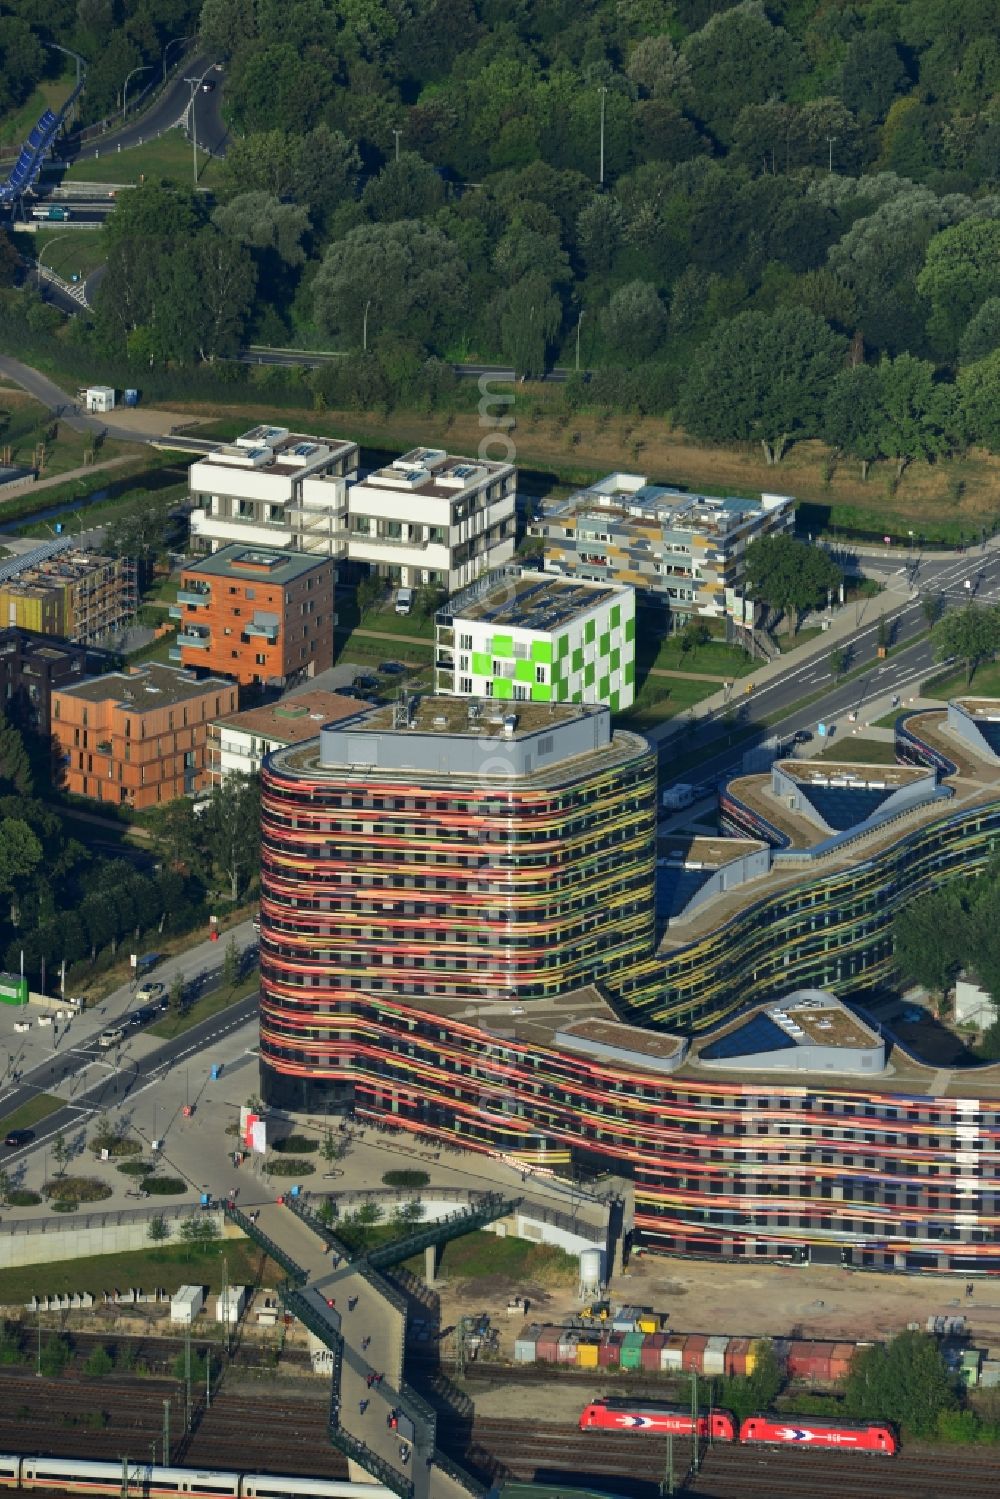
(381, 1424)
(63, 478)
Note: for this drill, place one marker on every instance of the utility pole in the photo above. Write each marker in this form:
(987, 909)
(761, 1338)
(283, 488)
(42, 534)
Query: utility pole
(694, 1419)
(578, 322)
(460, 1347)
(124, 1487)
(208, 1379)
(225, 1306)
(364, 328)
(187, 1381)
(166, 1432)
(397, 134)
(604, 94)
(38, 1366)
(667, 1486)
(830, 140)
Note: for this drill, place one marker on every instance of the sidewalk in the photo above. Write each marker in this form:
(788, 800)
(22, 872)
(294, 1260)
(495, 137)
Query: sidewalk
(845, 624)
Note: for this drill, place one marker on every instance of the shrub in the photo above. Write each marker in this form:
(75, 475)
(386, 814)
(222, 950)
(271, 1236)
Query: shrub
(54, 1357)
(99, 1363)
(132, 1168)
(76, 1189)
(163, 1186)
(290, 1167)
(65, 1207)
(22, 1198)
(405, 1179)
(295, 1145)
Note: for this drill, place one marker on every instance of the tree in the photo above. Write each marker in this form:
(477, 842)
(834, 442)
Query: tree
(789, 575)
(917, 415)
(738, 58)
(978, 397)
(369, 592)
(158, 1229)
(971, 634)
(198, 1235)
(15, 762)
(260, 221)
(231, 825)
(20, 855)
(330, 1148)
(852, 415)
(763, 377)
(231, 964)
(407, 188)
(54, 1356)
(961, 271)
(872, 74)
(530, 316)
(599, 233)
(838, 661)
(5, 1184)
(177, 995)
(99, 1363)
(927, 936)
(905, 1381)
(61, 1153)
(407, 274)
(931, 607)
(982, 332)
(660, 70)
(635, 320)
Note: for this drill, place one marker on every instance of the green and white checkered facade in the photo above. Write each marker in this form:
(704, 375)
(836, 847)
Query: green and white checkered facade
(587, 657)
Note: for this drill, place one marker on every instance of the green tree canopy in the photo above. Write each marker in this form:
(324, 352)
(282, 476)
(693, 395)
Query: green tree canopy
(763, 377)
(961, 271)
(789, 575)
(972, 635)
(905, 1381)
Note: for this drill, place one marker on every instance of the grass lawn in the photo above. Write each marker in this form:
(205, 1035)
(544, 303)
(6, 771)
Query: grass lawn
(860, 752)
(889, 721)
(169, 1266)
(660, 698)
(985, 683)
(478, 1255)
(786, 642)
(350, 645)
(168, 157)
(31, 1113)
(203, 1009)
(388, 622)
(715, 658)
(78, 251)
(51, 93)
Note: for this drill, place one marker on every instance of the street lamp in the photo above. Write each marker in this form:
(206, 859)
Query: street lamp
(397, 134)
(604, 94)
(177, 41)
(364, 328)
(125, 88)
(196, 84)
(578, 322)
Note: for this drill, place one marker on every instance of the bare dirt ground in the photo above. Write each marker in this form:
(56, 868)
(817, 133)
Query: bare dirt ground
(589, 441)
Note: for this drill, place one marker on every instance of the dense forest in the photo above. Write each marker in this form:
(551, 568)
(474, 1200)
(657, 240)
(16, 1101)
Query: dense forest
(796, 233)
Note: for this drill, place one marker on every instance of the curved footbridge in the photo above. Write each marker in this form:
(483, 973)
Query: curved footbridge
(342, 1299)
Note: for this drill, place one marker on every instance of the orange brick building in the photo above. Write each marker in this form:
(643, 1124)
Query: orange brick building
(257, 615)
(138, 737)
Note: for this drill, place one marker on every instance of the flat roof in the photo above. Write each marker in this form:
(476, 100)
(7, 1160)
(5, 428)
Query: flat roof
(632, 497)
(533, 601)
(583, 1014)
(708, 853)
(433, 473)
(850, 773)
(292, 719)
(151, 686)
(252, 563)
(822, 1019)
(452, 715)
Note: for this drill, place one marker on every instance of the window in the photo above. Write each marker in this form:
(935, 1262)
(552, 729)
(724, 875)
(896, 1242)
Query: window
(465, 642)
(465, 684)
(260, 659)
(539, 673)
(251, 593)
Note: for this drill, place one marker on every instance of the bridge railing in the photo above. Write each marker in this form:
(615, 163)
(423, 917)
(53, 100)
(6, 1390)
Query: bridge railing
(294, 1271)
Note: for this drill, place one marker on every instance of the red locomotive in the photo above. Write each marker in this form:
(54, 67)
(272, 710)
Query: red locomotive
(635, 1415)
(611, 1414)
(812, 1431)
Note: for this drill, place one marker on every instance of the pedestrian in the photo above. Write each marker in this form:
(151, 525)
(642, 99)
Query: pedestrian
(378, 1380)
(364, 1344)
(370, 1380)
(362, 1407)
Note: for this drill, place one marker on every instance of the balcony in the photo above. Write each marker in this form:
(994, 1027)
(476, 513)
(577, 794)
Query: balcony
(261, 631)
(198, 640)
(200, 598)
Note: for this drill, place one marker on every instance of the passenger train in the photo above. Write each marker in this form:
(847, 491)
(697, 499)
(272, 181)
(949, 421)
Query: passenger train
(767, 1429)
(75, 1475)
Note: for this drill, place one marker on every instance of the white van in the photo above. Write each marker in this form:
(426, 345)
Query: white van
(404, 600)
(113, 1036)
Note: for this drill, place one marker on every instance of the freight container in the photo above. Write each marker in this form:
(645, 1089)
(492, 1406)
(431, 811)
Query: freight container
(623, 1324)
(567, 1347)
(526, 1342)
(714, 1361)
(672, 1355)
(840, 1360)
(694, 1352)
(547, 1349)
(990, 1373)
(631, 1354)
(736, 1357)
(609, 1353)
(652, 1351)
(648, 1323)
(586, 1354)
(971, 1361)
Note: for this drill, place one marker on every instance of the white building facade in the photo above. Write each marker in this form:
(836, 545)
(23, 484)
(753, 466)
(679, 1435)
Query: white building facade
(276, 489)
(429, 518)
(529, 637)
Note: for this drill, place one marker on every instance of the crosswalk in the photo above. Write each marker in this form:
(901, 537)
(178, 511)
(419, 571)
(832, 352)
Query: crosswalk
(77, 290)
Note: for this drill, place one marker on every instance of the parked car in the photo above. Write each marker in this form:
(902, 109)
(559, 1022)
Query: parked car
(208, 84)
(404, 600)
(15, 1138)
(146, 962)
(802, 736)
(150, 991)
(391, 668)
(366, 683)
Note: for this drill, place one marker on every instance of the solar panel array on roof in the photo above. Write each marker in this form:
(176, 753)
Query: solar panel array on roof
(843, 807)
(676, 886)
(990, 730)
(756, 1035)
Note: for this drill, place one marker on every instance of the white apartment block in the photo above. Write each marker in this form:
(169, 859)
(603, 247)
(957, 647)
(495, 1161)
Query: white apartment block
(239, 742)
(529, 637)
(431, 518)
(276, 489)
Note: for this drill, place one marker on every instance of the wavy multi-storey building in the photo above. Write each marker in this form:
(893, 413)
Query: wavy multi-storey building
(468, 927)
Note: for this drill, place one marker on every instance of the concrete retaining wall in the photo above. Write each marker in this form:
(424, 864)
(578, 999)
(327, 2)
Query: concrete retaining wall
(44, 1241)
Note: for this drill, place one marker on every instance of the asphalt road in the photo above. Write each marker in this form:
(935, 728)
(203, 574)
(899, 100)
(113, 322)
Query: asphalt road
(125, 1076)
(908, 664)
(168, 111)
